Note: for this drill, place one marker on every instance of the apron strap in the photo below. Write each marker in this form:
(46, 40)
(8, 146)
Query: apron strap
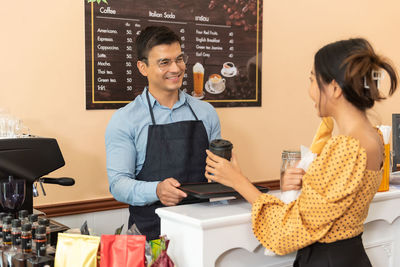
(151, 109)
(194, 114)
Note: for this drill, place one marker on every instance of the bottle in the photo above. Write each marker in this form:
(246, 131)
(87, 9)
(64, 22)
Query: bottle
(7, 231)
(10, 252)
(45, 222)
(23, 216)
(16, 232)
(49, 249)
(20, 259)
(2, 216)
(33, 219)
(40, 259)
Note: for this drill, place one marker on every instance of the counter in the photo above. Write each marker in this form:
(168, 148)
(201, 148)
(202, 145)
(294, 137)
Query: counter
(219, 234)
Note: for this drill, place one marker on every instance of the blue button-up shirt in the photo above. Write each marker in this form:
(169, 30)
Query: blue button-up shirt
(126, 142)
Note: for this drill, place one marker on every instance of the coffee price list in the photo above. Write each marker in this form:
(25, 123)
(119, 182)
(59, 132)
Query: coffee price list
(221, 38)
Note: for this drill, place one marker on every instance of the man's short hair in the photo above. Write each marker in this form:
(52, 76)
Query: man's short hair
(152, 36)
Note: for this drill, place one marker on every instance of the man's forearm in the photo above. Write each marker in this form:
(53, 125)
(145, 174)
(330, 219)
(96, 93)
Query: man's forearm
(134, 192)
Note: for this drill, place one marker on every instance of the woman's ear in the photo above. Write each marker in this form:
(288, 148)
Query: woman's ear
(337, 90)
(142, 67)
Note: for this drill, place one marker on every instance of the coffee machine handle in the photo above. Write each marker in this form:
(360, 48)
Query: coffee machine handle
(35, 192)
(65, 181)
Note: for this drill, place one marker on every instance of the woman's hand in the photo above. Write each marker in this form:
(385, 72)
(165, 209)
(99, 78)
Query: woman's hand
(292, 179)
(223, 171)
(228, 173)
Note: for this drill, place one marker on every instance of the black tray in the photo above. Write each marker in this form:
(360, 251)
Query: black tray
(212, 190)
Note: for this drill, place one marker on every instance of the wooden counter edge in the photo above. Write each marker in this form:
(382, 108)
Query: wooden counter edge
(271, 184)
(79, 207)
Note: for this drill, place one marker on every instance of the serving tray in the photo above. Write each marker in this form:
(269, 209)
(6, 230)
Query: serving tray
(212, 190)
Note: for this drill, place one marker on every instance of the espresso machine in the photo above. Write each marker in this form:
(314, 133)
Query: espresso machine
(30, 158)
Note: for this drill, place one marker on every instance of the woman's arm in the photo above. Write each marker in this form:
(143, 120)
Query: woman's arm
(228, 173)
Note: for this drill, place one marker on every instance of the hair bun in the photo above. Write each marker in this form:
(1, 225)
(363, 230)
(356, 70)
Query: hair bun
(352, 64)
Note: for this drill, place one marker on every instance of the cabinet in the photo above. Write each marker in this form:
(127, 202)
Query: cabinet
(220, 234)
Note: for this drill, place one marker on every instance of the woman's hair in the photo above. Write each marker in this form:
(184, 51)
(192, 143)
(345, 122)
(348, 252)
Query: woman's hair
(352, 64)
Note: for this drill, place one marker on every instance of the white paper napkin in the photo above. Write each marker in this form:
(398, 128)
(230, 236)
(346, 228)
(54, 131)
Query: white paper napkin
(288, 196)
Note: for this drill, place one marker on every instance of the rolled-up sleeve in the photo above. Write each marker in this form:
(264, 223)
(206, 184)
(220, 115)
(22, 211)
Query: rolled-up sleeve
(121, 163)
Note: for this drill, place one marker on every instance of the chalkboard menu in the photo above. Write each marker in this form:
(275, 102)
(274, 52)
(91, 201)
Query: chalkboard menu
(221, 37)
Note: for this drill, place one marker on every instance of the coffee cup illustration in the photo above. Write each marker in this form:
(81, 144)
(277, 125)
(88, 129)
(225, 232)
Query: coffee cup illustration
(228, 69)
(215, 84)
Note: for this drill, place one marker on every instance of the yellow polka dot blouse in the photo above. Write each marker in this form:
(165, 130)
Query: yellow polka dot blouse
(336, 192)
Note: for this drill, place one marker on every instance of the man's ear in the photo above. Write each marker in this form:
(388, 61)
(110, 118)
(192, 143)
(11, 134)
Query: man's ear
(142, 67)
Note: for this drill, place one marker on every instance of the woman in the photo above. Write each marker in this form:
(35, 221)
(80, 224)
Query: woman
(325, 223)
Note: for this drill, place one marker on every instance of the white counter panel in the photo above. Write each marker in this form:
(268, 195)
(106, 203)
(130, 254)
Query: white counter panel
(220, 234)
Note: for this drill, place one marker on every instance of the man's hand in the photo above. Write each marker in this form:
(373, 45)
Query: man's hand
(168, 193)
(292, 179)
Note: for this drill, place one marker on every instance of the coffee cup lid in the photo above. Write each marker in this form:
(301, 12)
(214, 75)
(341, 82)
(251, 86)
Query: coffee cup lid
(221, 144)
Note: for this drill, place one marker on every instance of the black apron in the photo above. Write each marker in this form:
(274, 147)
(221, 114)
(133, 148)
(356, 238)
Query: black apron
(175, 150)
(343, 253)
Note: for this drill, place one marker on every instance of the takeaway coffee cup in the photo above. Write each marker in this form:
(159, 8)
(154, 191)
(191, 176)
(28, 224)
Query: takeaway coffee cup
(222, 148)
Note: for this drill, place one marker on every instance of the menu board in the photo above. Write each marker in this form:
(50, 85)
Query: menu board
(221, 37)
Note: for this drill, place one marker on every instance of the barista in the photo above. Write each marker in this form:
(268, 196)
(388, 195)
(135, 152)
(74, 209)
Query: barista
(158, 141)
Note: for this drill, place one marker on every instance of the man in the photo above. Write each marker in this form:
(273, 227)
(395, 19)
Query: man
(158, 141)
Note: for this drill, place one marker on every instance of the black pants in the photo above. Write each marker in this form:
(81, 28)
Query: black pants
(343, 253)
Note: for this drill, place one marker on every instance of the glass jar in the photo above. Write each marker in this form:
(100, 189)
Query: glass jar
(289, 159)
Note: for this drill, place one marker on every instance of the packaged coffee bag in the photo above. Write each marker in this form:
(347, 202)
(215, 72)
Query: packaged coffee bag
(122, 250)
(76, 250)
(163, 260)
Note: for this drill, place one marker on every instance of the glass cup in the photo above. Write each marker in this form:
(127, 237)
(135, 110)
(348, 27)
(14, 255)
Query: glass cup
(290, 159)
(11, 123)
(198, 81)
(7, 126)
(11, 127)
(12, 194)
(20, 129)
(3, 127)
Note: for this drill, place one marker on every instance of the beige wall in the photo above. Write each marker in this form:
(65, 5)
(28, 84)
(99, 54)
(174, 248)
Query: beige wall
(42, 81)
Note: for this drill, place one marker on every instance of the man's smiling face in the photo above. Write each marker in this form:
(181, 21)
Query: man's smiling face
(165, 77)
